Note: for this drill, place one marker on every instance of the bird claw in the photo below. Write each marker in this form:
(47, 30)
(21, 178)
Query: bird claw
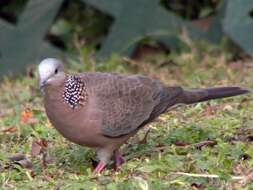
(100, 167)
(119, 160)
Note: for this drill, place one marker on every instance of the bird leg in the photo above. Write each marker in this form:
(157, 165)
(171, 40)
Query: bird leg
(100, 167)
(118, 158)
(94, 163)
(144, 140)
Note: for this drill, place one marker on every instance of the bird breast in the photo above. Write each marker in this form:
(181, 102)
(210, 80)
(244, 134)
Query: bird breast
(81, 125)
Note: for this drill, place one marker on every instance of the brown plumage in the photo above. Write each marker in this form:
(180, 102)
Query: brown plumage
(103, 110)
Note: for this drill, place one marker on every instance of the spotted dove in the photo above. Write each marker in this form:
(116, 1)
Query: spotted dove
(103, 110)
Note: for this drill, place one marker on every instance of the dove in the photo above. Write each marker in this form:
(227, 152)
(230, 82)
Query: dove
(103, 110)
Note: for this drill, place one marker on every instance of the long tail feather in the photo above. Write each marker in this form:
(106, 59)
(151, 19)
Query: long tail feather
(200, 95)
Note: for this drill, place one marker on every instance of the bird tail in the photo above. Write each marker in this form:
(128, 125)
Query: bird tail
(199, 95)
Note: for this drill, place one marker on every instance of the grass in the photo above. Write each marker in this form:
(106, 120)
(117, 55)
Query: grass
(202, 146)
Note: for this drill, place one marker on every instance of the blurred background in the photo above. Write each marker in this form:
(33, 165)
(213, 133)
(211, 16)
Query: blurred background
(81, 29)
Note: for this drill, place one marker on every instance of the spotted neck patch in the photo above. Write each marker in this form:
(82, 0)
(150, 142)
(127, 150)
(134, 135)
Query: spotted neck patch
(75, 92)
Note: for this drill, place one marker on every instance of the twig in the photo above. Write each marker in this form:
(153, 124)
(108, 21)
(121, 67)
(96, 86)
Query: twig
(206, 175)
(29, 175)
(204, 143)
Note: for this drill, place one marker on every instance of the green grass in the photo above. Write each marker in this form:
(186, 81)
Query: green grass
(172, 144)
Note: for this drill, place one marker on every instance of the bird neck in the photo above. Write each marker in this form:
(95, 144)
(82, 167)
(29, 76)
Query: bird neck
(72, 91)
(75, 91)
(54, 91)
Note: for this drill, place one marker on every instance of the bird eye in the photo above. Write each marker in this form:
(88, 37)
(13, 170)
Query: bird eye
(56, 71)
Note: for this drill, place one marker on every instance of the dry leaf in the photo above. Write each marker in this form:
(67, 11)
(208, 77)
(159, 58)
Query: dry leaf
(36, 149)
(205, 143)
(21, 159)
(211, 109)
(26, 115)
(16, 157)
(10, 129)
(228, 108)
(25, 163)
(196, 186)
(43, 143)
(203, 23)
(180, 143)
(38, 146)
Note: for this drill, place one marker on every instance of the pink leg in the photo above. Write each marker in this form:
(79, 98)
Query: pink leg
(100, 167)
(119, 160)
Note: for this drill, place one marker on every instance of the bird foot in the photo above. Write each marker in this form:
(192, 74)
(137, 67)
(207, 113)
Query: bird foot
(100, 167)
(119, 160)
(94, 163)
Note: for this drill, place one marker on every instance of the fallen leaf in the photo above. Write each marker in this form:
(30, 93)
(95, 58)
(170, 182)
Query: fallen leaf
(26, 115)
(205, 143)
(196, 186)
(36, 149)
(10, 129)
(211, 109)
(17, 157)
(43, 142)
(38, 146)
(203, 23)
(180, 143)
(25, 163)
(21, 159)
(228, 108)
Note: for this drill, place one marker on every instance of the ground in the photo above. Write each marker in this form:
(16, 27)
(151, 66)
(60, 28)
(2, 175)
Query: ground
(201, 146)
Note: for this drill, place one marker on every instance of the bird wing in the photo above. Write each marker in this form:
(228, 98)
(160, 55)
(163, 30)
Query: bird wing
(125, 101)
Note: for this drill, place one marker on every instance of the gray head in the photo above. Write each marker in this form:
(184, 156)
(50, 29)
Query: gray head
(50, 71)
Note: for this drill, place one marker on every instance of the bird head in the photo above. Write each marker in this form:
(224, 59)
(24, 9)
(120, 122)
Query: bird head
(50, 70)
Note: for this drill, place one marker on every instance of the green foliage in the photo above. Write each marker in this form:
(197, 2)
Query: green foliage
(191, 9)
(86, 23)
(78, 21)
(152, 21)
(238, 23)
(24, 43)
